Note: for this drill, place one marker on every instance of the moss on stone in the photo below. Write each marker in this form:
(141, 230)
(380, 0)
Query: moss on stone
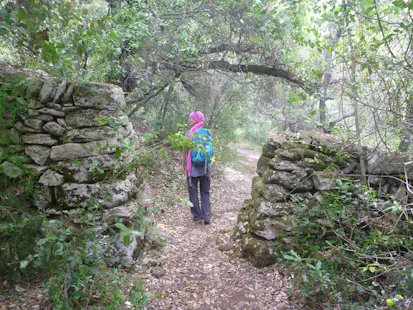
(261, 253)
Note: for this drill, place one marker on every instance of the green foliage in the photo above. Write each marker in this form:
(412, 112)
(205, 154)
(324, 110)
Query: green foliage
(72, 255)
(18, 234)
(343, 256)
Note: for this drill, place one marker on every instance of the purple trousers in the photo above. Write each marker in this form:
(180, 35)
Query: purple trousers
(200, 185)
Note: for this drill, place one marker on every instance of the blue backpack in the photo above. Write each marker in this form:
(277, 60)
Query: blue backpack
(203, 150)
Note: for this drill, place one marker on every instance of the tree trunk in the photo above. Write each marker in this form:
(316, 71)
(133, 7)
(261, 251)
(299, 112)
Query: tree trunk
(327, 78)
(406, 135)
(354, 96)
(166, 100)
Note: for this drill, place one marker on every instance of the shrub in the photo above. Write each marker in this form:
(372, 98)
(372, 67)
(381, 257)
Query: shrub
(346, 256)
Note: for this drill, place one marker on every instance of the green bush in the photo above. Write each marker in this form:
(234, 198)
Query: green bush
(344, 256)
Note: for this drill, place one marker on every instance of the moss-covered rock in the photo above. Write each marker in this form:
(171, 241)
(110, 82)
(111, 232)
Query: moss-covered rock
(295, 180)
(268, 150)
(257, 187)
(260, 252)
(262, 164)
(275, 193)
(324, 180)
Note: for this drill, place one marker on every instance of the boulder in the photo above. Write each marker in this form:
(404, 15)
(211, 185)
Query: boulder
(108, 194)
(295, 180)
(119, 254)
(47, 91)
(275, 193)
(11, 170)
(90, 118)
(324, 180)
(380, 162)
(99, 96)
(41, 139)
(52, 112)
(79, 150)
(54, 129)
(51, 178)
(38, 153)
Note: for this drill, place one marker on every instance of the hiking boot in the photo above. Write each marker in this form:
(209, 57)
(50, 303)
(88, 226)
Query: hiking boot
(206, 222)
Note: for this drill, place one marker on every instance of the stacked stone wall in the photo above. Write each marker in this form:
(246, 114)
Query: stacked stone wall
(302, 166)
(69, 135)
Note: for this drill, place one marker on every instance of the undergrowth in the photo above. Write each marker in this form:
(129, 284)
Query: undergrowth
(353, 251)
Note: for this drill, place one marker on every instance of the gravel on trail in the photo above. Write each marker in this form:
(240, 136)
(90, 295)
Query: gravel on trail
(197, 266)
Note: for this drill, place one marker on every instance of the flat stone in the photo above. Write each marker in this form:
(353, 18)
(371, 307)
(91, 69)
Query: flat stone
(270, 229)
(40, 154)
(283, 165)
(47, 91)
(90, 118)
(45, 117)
(79, 150)
(93, 134)
(54, 106)
(99, 96)
(82, 171)
(32, 112)
(60, 91)
(52, 112)
(106, 194)
(54, 129)
(11, 170)
(274, 209)
(124, 212)
(37, 170)
(70, 109)
(41, 139)
(51, 178)
(295, 180)
(24, 129)
(34, 123)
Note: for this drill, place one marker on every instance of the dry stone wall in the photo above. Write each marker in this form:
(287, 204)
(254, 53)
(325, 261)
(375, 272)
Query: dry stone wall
(301, 166)
(70, 135)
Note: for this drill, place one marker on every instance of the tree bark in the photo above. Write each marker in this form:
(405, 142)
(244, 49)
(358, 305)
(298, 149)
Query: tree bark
(406, 135)
(240, 68)
(327, 78)
(363, 169)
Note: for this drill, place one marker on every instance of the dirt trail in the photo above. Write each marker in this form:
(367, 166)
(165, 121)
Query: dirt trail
(193, 270)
